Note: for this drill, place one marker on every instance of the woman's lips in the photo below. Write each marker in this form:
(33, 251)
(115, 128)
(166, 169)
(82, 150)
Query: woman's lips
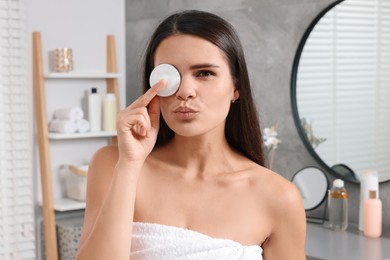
(185, 113)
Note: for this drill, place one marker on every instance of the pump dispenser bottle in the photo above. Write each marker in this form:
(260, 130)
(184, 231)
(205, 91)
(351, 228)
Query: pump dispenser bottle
(338, 206)
(372, 216)
(95, 110)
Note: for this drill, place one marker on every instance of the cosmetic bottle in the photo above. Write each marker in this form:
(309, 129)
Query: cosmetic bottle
(368, 181)
(372, 215)
(109, 112)
(338, 206)
(95, 110)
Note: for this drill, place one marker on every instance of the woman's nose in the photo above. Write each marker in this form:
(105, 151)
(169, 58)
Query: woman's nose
(186, 89)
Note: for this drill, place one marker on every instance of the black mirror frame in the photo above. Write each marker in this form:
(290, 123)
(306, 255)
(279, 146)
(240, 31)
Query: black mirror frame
(293, 97)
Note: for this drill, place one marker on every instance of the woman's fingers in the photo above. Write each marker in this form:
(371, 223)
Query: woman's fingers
(136, 116)
(136, 120)
(145, 99)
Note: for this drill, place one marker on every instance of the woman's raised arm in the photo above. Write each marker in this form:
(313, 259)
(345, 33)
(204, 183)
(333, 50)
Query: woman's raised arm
(112, 181)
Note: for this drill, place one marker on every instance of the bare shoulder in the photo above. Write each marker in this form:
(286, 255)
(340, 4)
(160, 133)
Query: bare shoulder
(286, 216)
(280, 191)
(101, 169)
(100, 172)
(105, 154)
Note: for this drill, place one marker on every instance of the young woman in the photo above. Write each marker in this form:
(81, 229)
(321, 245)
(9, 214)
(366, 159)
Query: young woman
(187, 178)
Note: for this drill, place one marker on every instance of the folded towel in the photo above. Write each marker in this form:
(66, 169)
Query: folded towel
(155, 241)
(82, 125)
(73, 113)
(62, 126)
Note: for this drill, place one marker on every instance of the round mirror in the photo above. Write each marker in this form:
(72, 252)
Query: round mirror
(340, 88)
(313, 185)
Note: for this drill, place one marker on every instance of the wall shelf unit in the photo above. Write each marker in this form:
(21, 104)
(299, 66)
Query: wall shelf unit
(49, 203)
(84, 75)
(59, 136)
(65, 204)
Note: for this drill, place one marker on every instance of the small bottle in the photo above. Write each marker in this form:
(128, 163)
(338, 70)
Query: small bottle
(95, 110)
(338, 206)
(372, 216)
(369, 181)
(109, 112)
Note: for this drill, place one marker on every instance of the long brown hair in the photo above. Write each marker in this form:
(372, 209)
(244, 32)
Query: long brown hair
(242, 128)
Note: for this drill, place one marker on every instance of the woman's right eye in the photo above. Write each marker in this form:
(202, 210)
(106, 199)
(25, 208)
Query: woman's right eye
(204, 73)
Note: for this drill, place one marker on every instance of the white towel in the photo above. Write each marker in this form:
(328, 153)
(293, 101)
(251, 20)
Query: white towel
(62, 126)
(73, 113)
(159, 242)
(82, 125)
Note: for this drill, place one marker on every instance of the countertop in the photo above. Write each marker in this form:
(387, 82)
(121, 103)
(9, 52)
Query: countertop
(324, 243)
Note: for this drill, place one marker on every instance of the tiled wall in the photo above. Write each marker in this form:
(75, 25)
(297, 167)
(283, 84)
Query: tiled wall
(270, 31)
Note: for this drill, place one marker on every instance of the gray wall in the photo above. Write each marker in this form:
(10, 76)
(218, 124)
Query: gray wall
(270, 31)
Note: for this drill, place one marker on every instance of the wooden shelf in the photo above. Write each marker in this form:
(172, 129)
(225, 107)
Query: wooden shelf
(65, 204)
(49, 204)
(59, 136)
(81, 75)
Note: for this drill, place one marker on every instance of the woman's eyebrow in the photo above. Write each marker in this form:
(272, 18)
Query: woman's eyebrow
(203, 66)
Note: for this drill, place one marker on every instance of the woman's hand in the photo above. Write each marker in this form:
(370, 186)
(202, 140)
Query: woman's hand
(138, 125)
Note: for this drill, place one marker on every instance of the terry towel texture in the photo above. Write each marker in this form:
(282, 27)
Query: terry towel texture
(62, 126)
(82, 125)
(68, 121)
(155, 241)
(72, 113)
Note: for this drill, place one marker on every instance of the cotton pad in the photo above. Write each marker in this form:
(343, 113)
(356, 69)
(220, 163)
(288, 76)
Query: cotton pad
(170, 74)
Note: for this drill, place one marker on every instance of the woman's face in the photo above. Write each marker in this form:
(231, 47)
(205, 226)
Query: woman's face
(206, 91)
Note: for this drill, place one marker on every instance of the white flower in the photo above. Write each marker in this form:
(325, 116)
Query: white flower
(270, 138)
(272, 142)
